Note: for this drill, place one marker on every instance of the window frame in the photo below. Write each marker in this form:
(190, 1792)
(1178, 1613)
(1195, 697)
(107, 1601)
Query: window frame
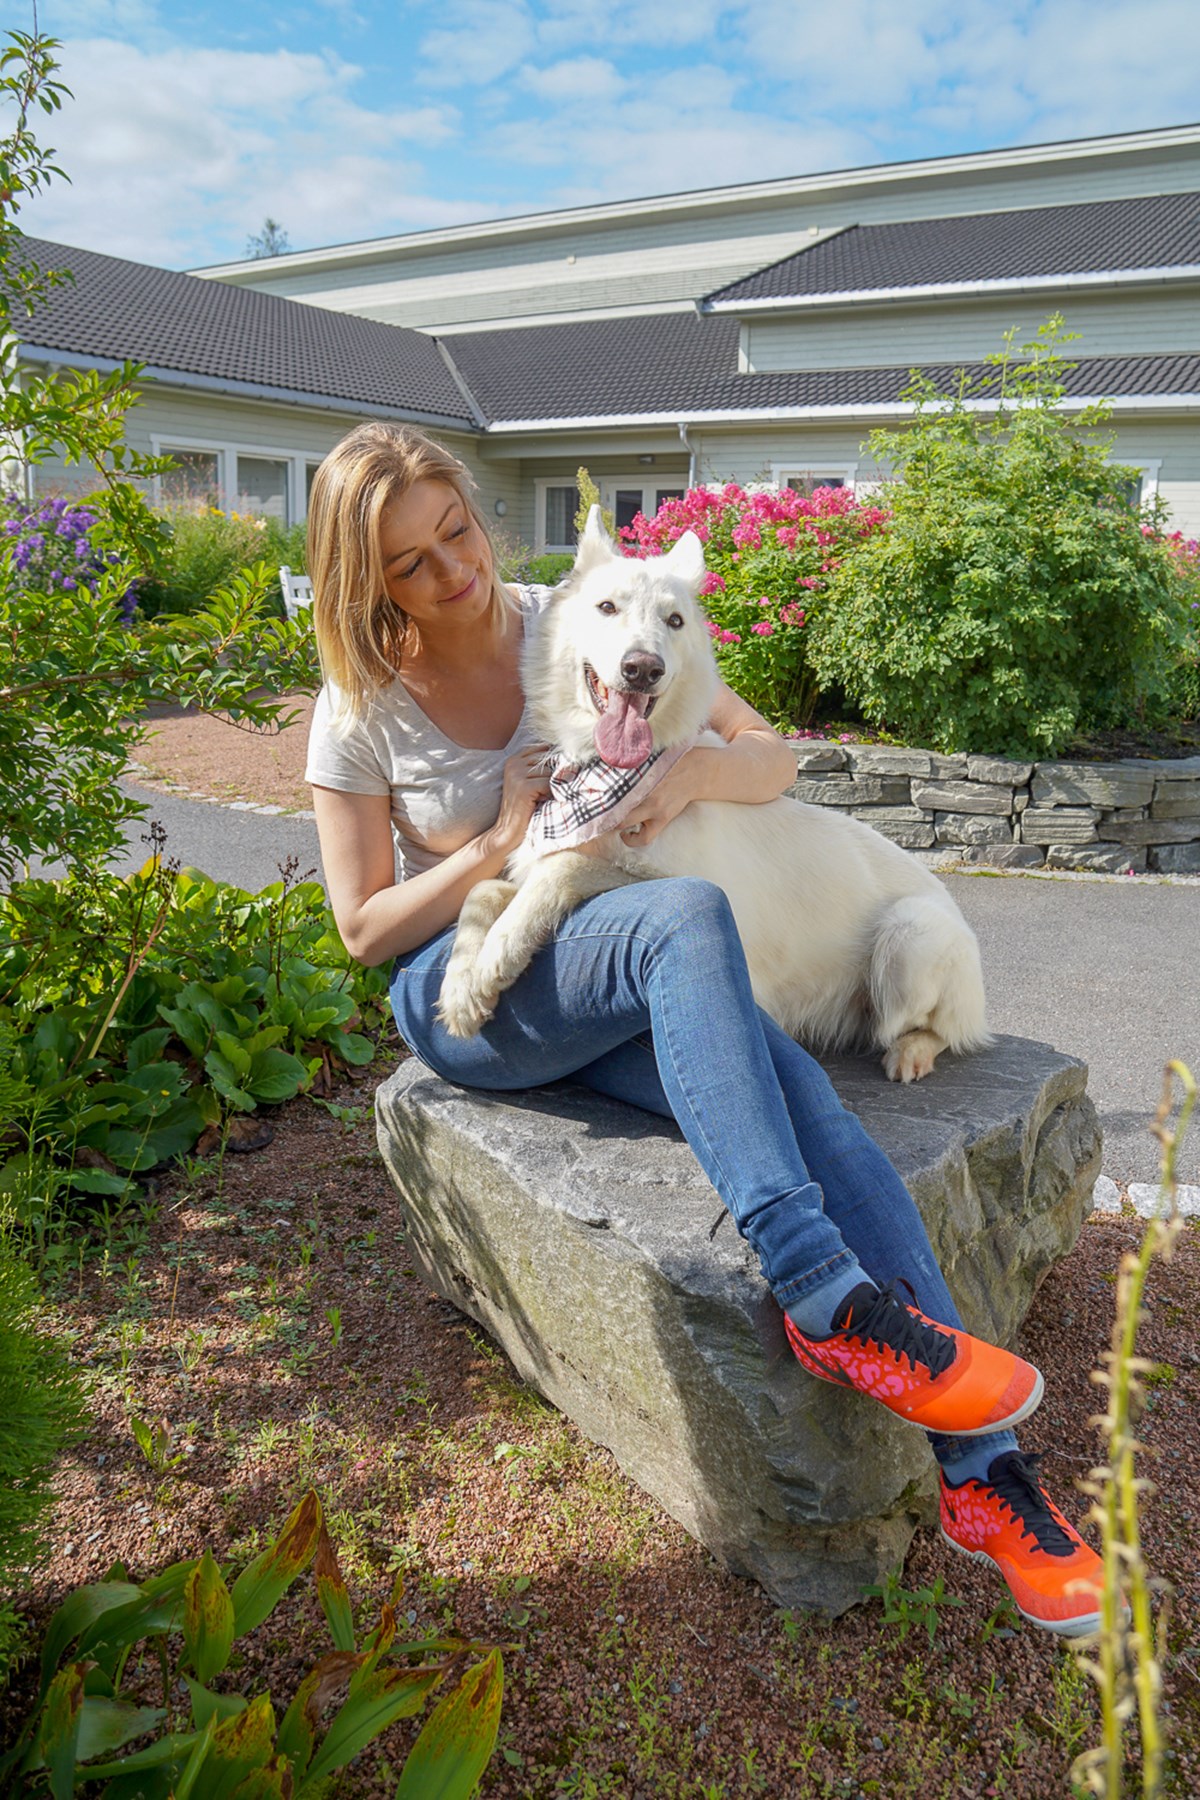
(845, 473)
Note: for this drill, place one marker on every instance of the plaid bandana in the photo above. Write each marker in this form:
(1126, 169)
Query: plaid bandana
(586, 802)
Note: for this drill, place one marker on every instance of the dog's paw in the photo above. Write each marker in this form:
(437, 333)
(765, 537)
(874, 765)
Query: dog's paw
(912, 1056)
(464, 1007)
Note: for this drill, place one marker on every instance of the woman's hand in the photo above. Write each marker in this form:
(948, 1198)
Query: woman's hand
(526, 781)
(677, 789)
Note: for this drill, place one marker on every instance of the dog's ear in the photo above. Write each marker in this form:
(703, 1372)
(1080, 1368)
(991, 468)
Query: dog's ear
(685, 560)
(595, 546)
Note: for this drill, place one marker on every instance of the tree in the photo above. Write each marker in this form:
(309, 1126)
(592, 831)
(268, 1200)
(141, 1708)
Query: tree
(74, 675)
(272, 240)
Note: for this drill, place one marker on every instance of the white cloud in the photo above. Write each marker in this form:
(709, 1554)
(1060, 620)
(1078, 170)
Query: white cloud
(575, 79)
(487, 39)
(177, 156)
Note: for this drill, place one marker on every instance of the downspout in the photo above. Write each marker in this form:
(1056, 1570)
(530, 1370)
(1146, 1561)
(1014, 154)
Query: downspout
(691, 450)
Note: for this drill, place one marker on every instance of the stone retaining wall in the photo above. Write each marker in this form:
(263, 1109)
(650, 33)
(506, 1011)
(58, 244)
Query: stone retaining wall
(1117, 816)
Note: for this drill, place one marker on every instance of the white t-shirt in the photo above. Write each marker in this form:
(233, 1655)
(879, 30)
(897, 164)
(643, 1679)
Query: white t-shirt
(442, 793)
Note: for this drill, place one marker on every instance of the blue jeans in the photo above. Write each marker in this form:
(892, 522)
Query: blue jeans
(644, 995)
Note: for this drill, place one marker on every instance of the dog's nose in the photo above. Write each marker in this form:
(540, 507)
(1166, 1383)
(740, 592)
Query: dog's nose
(641, 669)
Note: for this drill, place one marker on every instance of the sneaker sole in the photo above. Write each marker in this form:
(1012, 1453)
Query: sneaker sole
(1024, 1411)
(1086, 1625)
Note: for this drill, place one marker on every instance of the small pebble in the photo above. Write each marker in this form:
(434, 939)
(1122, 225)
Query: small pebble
(877, 1743)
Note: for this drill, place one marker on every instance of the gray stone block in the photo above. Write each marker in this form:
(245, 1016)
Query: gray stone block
(947, 767)
(815, 754)
(1176, 800)
(909, 837)
(887, 759)
(1176, 859)
(1005, 856)
(892, 815)
(1177, 768)
(1148, 831)
(971, 828)
(852, 790)
(1059, 825)
(1107, 859)
(1093, 784)
(1001, 769)
(963, 796)
(583, 1236)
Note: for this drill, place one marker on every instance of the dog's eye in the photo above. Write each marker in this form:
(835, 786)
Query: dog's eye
(606, 606)
(676, 621)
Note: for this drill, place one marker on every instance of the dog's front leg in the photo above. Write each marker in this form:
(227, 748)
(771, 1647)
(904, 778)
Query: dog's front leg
(463, 1005)
(554, 887)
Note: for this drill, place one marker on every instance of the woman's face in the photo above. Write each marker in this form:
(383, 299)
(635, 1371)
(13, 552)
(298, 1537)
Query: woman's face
(437, 563)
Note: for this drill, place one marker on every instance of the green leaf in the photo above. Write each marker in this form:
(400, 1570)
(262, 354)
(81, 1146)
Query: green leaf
(79, 1610)
(207, 1619)
(333, 1594)
(147, 1047)
(58, 1732)
(298, 1732)
(235, 1053)
(190, 1773)
(457, 1740)
(106, 1724)
(207, 1705)
(353, 1047)
(273, 1781)
(259, 1588)
(387, 1695)
(240, 1745)
(274, 1075)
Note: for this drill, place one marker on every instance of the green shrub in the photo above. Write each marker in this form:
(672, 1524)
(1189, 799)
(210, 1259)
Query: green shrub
(1017, 597)
(134, 1013)
(204, 548)
(41, 1406)
(205, 1739)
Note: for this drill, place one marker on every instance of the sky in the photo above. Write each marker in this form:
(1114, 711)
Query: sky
(352, 119)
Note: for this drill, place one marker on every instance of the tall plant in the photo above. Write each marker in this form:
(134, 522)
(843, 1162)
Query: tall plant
(1015, 598)
(74, 675)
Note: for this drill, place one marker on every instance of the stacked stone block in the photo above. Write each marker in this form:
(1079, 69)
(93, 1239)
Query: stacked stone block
(1115, 817)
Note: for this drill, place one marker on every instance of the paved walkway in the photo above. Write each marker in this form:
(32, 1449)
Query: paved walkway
(1107, 970)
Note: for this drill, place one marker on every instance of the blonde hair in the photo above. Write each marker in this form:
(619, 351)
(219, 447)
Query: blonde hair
(360, 630)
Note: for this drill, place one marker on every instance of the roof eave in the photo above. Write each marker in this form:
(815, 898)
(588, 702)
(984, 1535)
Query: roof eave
(744, 415)
(957, 290)
(247, 390)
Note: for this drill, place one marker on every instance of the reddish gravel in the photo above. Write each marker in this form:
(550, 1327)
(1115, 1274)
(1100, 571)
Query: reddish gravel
(637, 1666)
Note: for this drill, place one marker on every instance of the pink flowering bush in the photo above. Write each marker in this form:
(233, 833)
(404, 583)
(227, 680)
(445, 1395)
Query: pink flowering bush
(1185, 553)
(769, 558)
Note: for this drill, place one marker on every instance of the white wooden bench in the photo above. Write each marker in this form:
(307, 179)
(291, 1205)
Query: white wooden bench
(297, 590)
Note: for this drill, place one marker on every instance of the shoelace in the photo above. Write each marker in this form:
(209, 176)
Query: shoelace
(888, 1324)
(1013, 1477)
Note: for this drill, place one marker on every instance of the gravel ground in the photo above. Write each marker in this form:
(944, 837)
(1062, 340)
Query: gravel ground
(267, 1310)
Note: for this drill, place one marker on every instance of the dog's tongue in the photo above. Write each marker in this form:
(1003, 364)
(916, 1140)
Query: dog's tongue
(622, 736)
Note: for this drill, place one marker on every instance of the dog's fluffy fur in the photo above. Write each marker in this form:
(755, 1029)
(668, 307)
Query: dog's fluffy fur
(850, 940)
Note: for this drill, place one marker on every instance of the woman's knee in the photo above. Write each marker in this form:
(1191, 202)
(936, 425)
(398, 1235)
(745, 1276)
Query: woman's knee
(690, 901)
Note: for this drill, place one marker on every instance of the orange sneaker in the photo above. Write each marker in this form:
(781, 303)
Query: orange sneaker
(1010, 1521)
(935, 1375)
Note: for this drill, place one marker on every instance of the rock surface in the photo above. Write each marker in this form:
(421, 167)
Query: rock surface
(583, 1236)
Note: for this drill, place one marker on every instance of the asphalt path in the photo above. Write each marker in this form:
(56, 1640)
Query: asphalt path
(1108, 971)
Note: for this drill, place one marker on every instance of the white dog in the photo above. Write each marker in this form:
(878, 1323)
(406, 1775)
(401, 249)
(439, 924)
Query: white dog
(850, 941)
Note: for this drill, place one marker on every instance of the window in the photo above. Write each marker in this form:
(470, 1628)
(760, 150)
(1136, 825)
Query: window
(808, 484)
(262, 486)
(196, 478)
(1142, 485)
(561, 505)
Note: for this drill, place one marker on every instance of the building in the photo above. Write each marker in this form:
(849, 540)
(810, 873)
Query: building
(756, 333)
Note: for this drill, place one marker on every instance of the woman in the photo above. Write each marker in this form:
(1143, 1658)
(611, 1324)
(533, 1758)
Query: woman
(418, 737)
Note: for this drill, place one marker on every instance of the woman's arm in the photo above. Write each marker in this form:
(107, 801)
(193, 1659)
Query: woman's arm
(379, 917)
(754, 765)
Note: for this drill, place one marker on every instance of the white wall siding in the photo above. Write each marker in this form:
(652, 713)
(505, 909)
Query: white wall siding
(689, 247)
(1113, 323)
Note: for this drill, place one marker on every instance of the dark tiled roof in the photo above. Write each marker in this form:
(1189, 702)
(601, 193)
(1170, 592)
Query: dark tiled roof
(169, 321)
(652, 363)
(1161, 231)
(678, 363)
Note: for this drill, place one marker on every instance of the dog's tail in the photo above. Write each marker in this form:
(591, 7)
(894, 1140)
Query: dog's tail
(926, 975)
